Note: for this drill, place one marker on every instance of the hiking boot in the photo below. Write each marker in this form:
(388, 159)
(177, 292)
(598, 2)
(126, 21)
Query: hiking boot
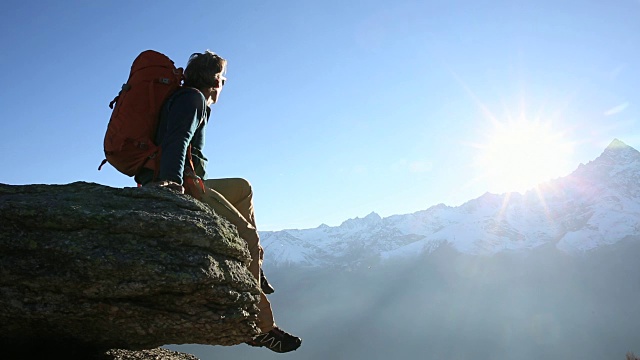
(276, 340)
(264, 284)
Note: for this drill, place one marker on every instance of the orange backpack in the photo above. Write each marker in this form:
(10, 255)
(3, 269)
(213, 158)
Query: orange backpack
(129, 142)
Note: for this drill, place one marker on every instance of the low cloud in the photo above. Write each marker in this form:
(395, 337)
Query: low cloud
(616, 109)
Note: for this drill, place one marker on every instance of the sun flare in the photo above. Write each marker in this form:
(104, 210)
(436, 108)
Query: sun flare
(518, 155)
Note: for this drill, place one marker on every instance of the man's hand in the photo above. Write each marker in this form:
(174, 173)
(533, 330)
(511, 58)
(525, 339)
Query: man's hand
(170, 184)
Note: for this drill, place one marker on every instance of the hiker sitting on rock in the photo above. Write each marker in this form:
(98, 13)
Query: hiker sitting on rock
(180, 135)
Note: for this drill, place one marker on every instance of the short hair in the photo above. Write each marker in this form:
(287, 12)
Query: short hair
(202, 69)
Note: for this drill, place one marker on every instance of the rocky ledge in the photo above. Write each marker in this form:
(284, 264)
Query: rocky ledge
(116, 272)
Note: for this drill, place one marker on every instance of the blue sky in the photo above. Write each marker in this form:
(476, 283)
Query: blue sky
(334, 109)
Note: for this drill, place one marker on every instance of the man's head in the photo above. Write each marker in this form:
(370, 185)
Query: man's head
(205, 72)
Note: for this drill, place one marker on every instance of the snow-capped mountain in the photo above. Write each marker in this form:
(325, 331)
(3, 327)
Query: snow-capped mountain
(598, 204)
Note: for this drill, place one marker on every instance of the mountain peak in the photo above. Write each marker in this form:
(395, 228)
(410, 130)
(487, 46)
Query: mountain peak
(371, 219)
(621, 152)
(373, 216)
(617, 144)
(618, 157)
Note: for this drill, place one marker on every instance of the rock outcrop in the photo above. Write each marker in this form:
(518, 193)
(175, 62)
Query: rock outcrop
(98, 267)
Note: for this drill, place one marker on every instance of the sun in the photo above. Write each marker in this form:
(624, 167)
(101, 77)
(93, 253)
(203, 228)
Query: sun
(520, 154)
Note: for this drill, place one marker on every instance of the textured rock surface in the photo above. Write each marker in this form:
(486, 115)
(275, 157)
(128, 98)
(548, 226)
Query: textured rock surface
(53, 351)
(153, 354)
(134, 268)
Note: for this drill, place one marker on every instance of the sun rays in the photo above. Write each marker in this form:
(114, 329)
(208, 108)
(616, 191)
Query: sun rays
(517, 155)
(519, 148)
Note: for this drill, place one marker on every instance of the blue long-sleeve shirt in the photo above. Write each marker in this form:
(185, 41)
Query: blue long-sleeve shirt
(183, 120)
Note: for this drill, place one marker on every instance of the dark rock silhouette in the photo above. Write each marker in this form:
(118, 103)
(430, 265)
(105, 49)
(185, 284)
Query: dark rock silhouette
(90, 267)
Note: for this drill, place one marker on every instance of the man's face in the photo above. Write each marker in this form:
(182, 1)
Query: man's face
(213, 93)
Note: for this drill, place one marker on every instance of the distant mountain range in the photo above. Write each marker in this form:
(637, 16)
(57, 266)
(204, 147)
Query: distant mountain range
(596, 205)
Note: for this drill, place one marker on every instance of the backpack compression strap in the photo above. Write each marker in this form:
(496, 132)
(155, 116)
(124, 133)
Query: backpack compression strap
(193, 184)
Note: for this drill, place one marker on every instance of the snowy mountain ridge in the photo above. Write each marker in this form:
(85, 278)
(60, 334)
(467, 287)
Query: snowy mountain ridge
(596, 205)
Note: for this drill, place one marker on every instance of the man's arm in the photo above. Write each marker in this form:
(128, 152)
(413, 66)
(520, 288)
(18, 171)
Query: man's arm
(199, 160)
